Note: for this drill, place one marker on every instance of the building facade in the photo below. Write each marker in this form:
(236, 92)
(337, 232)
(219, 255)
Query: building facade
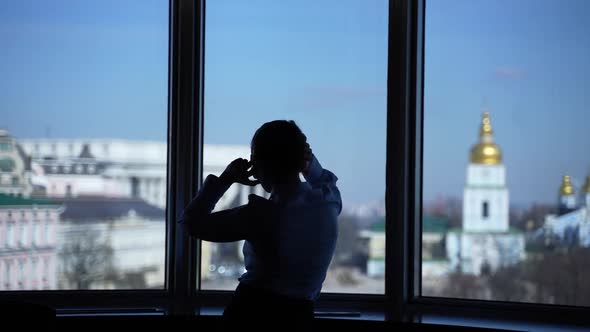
(15, 167)
(28, 226)
(28, 243)
(485, 242)
(571, 225)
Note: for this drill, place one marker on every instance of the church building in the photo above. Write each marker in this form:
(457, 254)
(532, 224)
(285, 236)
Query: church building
(485, 242)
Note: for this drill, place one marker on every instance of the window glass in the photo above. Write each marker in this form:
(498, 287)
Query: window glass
(322, 64)
(506, 181)
(84, 103)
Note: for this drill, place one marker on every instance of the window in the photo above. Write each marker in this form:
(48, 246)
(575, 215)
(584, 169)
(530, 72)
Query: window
(88, 72)
(138, 29)
(10, 234)
(45, 269)
(329, 75)
(36, 239)
(135, 187)
(7, 165)
(46, 232)
(8, 276)
(484, 210)
(498, 85)
(5, 146)
(23, 234)
(34, 270)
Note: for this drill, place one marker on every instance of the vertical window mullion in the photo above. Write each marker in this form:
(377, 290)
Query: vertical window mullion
(184, 149)
(403, 171)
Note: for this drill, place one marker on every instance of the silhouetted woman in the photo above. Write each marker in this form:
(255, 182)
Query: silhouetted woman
(290, 238)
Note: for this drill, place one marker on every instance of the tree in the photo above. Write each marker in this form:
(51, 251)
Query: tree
(347, 245)
(86, 259)
(508, 284)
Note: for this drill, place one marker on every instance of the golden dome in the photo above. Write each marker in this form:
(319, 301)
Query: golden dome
(486, 151)
(587, 185)
(566, 187)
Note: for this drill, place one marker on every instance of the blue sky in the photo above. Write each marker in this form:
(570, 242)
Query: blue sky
(95, 69)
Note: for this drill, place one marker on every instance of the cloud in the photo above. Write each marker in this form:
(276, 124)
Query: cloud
(510, 73)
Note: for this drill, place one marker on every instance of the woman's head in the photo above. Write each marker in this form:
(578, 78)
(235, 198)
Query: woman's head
(278, 149)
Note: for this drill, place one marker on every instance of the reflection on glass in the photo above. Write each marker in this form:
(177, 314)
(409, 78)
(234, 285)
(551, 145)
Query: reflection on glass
(83, 106)
(324, 65)
(506, 193)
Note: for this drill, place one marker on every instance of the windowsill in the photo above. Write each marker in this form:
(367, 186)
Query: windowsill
(332, 314)
(373, 316)
(435, 319)
(503, 324)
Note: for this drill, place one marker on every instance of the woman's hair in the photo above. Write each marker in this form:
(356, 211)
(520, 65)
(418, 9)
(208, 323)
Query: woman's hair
(279, 147)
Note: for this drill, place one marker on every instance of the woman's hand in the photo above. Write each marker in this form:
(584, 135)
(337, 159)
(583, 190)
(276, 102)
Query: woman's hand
(307, 158)
(237, 172)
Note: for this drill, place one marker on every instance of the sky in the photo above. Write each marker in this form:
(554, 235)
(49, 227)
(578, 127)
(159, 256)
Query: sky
(99, 69)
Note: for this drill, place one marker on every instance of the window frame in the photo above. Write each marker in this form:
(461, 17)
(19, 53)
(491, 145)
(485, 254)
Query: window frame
(402, 301)
(418, 308)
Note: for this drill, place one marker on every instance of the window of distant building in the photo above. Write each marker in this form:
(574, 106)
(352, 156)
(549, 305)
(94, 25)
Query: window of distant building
(34, 266)
(36, 235)
(46, 231)
(5, 146)
(23, 234)
(21, 273)
(10, 234)
(8, 274)
(7, 165)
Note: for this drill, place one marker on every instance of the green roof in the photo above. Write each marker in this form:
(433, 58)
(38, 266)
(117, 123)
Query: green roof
(511, 230)
(9, 200)
(378, 226)
(432, 224)
(429, 225)
(435, 260)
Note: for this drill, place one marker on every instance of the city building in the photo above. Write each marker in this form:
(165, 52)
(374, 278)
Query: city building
(375, 239)
(111, 243)
(434, 259)
(485, 241)
(28, 244)
(15, 167)
(100, 167)
(28, 226)
(571, 225)
(115, 172)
